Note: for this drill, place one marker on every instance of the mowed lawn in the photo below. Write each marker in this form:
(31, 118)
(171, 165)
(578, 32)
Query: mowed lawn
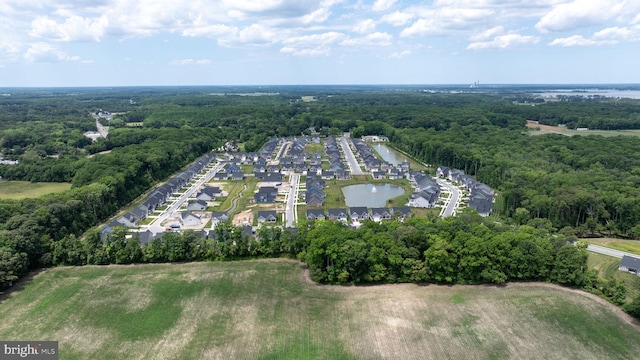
(26, 189)
(265, 309)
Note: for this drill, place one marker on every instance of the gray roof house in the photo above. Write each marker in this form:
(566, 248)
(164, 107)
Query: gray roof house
(268, 216)
(379, 214)
(401, 212)
(358, 213)
(190, 219)
(197, 205)
(315, 214)
(109, 229)
(337, 214)
(630, 264)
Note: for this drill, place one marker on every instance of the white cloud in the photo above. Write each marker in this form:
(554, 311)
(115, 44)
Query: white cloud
(47, 53)
(190, 62)
(400, 55)
(212, 31)
(374, 39)
(397, 18)
(421, 27)
(608, 36)
(582, 13)
(503, 42)
(365, 26)
(618, 34)
(383, 5)
(74, 28)
(9, 51)
(487, 34)
(312, 45)
(446, 21)
(575, 40)
(305, 52)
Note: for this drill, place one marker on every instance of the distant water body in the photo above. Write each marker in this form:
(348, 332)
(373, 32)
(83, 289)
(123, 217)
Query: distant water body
(630, 94)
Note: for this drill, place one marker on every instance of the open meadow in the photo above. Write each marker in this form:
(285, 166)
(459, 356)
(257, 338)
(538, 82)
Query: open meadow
(268, 309)
(538, 129)
(24, 189)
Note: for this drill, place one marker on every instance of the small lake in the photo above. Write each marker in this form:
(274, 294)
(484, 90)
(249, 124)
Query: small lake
(389, 155)
(370, 195)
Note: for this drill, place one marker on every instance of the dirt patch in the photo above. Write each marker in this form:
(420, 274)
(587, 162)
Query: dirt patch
(243, 218)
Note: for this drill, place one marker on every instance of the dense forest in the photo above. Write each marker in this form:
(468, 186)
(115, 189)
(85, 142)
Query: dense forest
(544, 183)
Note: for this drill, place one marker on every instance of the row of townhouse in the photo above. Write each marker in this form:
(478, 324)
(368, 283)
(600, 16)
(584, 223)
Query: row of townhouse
(336, 161)
(379, 169)
(147, 237)
(314, 193)
(360, 214)
(481, 196)
(158, 196)
(202, 199)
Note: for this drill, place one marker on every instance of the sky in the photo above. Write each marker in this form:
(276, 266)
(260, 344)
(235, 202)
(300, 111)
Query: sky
(282, 42)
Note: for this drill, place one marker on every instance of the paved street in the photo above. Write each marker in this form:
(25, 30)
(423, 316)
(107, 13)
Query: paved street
(450, 207)
(155, 226)
(611, 252)
(350, 157)
(291, 209)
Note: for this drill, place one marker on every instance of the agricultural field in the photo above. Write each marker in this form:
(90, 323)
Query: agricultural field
(24, 189)
(268, 309)
(538, 129)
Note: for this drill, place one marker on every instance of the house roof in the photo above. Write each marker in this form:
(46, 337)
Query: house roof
(315, 212)
(358, 210)
(380, 211)
(187, 214)
(405, 210)
(630, 262)
(337, 212)
(218, 214)
(265, 214)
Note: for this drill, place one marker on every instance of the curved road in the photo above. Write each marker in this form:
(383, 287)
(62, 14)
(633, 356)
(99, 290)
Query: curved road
(450, 209)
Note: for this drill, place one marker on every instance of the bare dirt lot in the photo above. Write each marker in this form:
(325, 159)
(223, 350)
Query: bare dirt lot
(243, 218)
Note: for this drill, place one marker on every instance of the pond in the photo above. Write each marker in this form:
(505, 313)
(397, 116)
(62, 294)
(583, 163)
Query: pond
(370, 195)
(389, 155)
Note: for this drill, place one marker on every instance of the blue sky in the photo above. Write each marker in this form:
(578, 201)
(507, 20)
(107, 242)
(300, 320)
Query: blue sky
(256, 42)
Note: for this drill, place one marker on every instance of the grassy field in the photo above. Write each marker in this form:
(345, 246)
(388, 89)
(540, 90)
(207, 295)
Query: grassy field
(264, 309)
(607, 267)
(632, 246)
(538, 129)
(26, 189)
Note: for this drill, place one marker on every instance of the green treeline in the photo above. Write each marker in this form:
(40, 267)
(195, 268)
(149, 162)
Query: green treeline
(466, 249)
(31, 229)
(587, 182)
